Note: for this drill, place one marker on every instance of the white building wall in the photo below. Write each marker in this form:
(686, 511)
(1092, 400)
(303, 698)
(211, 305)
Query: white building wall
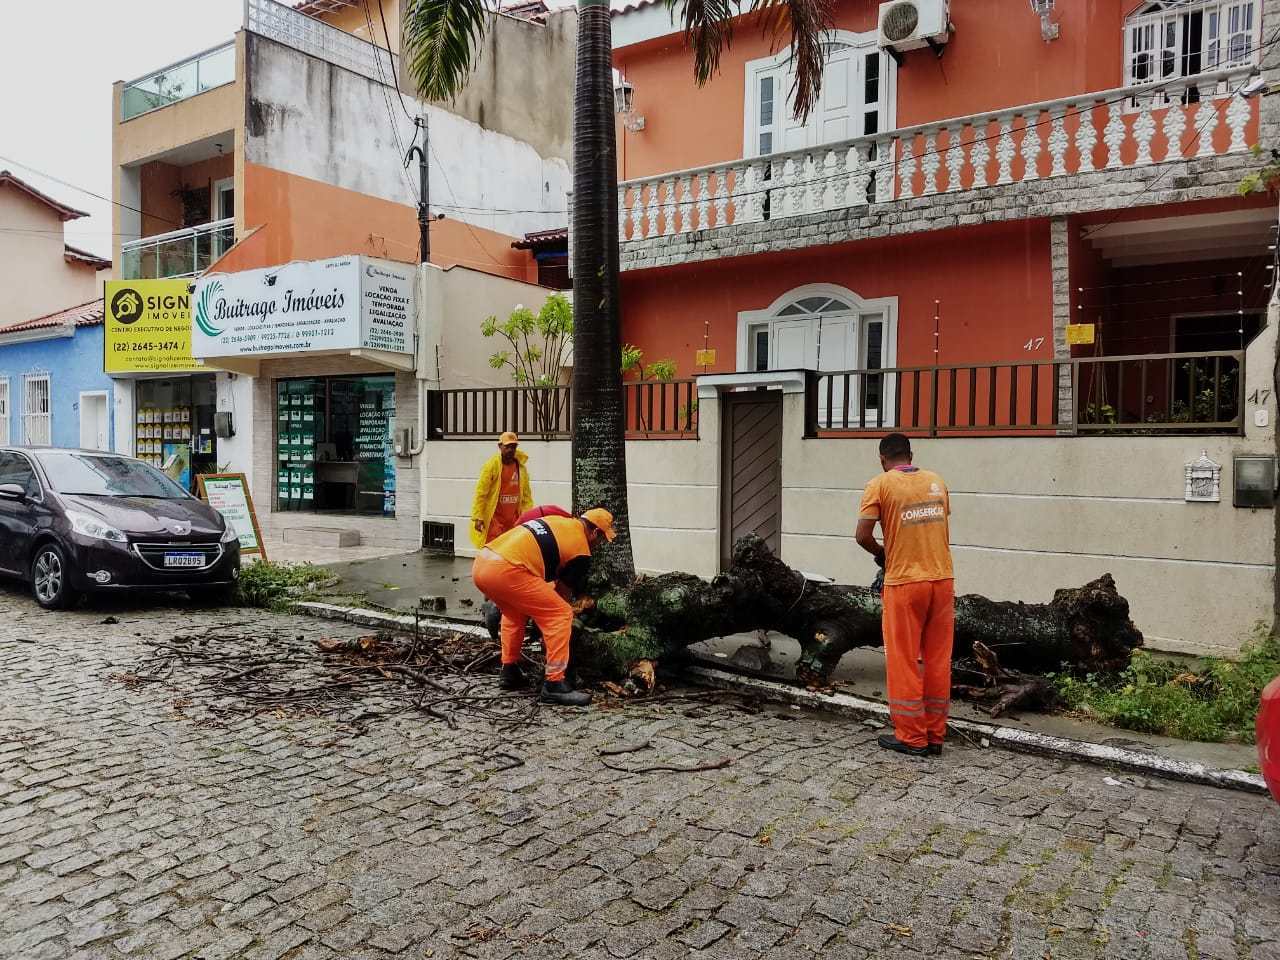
(312, 119)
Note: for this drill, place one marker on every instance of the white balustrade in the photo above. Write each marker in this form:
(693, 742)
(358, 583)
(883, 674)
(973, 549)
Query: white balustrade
(907, 163)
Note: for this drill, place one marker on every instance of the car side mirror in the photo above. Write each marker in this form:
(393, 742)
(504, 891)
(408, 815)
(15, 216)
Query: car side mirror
(12, 491)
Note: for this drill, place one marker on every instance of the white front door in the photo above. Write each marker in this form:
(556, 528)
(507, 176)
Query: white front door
(94, 424)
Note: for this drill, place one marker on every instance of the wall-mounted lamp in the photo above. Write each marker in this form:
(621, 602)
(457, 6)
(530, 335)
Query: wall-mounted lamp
(1048, 29)
(624, 98)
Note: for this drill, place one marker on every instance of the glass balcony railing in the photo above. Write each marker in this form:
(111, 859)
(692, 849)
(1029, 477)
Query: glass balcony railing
(181, 253)
(207, 70)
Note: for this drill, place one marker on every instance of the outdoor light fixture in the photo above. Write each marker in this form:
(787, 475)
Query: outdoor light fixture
(1255, 481)
(624, 98)
(1042, 9)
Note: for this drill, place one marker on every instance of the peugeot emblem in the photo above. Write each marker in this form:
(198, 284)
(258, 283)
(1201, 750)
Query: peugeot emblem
(179, 527)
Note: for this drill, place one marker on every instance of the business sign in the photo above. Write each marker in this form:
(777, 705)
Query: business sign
(345, 303)
(228, 493)
(148, 327)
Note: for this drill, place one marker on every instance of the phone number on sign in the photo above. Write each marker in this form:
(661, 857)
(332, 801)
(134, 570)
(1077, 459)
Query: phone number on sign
(147, 347)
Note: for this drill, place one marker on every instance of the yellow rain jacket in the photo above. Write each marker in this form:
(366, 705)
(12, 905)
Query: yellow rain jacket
(486, 501)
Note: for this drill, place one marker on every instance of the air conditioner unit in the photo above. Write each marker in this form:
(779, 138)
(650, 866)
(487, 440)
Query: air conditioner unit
(911, 24)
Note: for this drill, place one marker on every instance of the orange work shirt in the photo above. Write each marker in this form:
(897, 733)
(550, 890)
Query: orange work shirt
(520, 546)
(507, 511)
(913, 507)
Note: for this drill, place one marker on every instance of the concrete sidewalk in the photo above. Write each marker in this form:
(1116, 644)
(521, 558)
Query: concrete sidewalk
(398, 583)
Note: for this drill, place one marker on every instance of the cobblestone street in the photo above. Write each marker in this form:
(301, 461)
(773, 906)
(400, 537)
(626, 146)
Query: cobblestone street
(130, 826)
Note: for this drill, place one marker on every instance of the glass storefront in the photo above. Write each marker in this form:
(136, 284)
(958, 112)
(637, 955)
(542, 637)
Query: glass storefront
(173, 426)
(334, 449)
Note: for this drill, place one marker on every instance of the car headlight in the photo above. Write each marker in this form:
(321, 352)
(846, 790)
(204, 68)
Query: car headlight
(90, 526)
(229, 535)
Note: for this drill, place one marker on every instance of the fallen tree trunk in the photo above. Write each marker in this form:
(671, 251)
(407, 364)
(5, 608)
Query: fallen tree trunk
(1086, 628)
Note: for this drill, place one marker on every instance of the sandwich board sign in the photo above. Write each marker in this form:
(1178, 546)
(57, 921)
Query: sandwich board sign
(228, 493)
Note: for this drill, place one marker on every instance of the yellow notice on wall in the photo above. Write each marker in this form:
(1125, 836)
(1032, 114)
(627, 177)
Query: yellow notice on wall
(705, 358)
(148, 327)
(1080, 334)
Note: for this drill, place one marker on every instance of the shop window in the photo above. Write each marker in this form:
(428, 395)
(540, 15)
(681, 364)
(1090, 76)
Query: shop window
(173, 426)
(334, 447)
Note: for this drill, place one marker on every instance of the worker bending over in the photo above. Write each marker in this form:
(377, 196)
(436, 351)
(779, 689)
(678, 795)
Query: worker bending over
(912, 507)
(529, 572)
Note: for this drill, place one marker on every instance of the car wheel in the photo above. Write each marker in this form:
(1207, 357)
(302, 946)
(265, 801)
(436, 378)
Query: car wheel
(51, 578)
(220, 596)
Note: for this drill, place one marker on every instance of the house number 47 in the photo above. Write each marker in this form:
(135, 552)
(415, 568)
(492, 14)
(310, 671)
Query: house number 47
(1035, 343)
(1260, 396)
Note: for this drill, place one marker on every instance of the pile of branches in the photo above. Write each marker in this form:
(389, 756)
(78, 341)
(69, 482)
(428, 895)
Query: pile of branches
(351, 680)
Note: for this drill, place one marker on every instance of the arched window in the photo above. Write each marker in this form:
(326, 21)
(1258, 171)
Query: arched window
(1167, 39)
(822, 327)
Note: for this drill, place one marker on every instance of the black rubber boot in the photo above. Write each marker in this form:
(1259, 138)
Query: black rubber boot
(559, 692)
(889, 742)
(513, 677)
(935, 749)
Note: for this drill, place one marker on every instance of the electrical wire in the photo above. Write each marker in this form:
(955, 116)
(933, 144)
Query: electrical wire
(386, 35)
(386, 99)
(85, 190)
(470, 229)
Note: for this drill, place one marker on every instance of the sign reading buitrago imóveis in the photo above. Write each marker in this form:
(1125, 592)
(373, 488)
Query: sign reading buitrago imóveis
(345, 303)
(148, 327)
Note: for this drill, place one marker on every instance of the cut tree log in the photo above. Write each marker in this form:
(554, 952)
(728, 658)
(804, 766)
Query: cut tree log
(1082, 629)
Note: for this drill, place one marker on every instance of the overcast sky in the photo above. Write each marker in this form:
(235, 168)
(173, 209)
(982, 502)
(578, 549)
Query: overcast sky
(56, 113)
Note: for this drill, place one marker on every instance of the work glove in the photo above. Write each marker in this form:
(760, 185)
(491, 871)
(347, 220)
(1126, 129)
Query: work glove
(878, 583)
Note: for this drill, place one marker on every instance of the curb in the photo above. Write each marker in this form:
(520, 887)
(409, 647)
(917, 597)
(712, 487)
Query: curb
(1020, 741)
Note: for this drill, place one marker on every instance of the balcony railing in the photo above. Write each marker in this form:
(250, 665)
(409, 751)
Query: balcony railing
(658, 409)
(178, 81)
(281, 23)
(180, 253)
(1161, 393)
(1136, 126)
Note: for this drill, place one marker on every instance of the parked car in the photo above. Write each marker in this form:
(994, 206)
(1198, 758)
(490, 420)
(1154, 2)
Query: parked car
(79, 521)
(1269, 737)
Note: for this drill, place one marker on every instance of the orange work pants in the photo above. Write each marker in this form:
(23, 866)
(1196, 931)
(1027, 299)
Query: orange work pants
(919, 627)
(521, 596)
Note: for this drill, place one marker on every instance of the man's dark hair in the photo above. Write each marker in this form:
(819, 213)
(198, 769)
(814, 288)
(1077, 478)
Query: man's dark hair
(895, 447)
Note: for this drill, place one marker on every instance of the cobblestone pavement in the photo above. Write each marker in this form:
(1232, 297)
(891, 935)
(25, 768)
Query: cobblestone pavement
(130, 827)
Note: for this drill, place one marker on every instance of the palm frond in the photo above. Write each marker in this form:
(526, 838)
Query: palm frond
(806, 23)
(708, 30)
(441, 43)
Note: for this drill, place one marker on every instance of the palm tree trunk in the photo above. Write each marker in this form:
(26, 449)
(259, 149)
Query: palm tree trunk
(599, 449)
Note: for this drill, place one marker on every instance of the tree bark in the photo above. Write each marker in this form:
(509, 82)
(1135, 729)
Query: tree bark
(599, 426)
(653, 619)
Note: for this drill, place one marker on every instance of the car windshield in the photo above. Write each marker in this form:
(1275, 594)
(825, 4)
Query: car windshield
(91, 475)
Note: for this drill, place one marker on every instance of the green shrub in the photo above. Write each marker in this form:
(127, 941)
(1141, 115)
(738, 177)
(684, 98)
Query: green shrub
(1209, 699)
(265, 584)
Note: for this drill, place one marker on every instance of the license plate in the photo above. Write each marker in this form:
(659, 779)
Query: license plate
(184, 559)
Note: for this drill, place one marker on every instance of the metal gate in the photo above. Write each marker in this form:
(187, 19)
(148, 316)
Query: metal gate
(751, 492)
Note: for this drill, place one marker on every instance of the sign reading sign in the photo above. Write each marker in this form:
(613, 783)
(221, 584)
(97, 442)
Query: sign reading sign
(148, 327)
(228, 493)
(345, 303)
(1080, 334)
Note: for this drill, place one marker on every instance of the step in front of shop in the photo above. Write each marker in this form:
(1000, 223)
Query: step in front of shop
(322, 536)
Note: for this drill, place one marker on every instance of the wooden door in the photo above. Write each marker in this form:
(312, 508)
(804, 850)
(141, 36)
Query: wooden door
(751, 491)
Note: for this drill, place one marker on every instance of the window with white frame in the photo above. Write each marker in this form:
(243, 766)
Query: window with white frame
(4, 410)
(37, 415)
(827, 328)
(1168, 39)
(856, 98)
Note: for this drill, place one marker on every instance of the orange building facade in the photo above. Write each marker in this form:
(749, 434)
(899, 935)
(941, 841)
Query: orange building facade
(984, 195)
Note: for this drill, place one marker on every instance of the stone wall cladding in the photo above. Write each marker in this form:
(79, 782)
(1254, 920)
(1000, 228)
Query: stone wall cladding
(1161, 184)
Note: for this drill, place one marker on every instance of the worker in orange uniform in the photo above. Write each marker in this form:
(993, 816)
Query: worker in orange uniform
(502, 492)
(529, 572)
(913, 508)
